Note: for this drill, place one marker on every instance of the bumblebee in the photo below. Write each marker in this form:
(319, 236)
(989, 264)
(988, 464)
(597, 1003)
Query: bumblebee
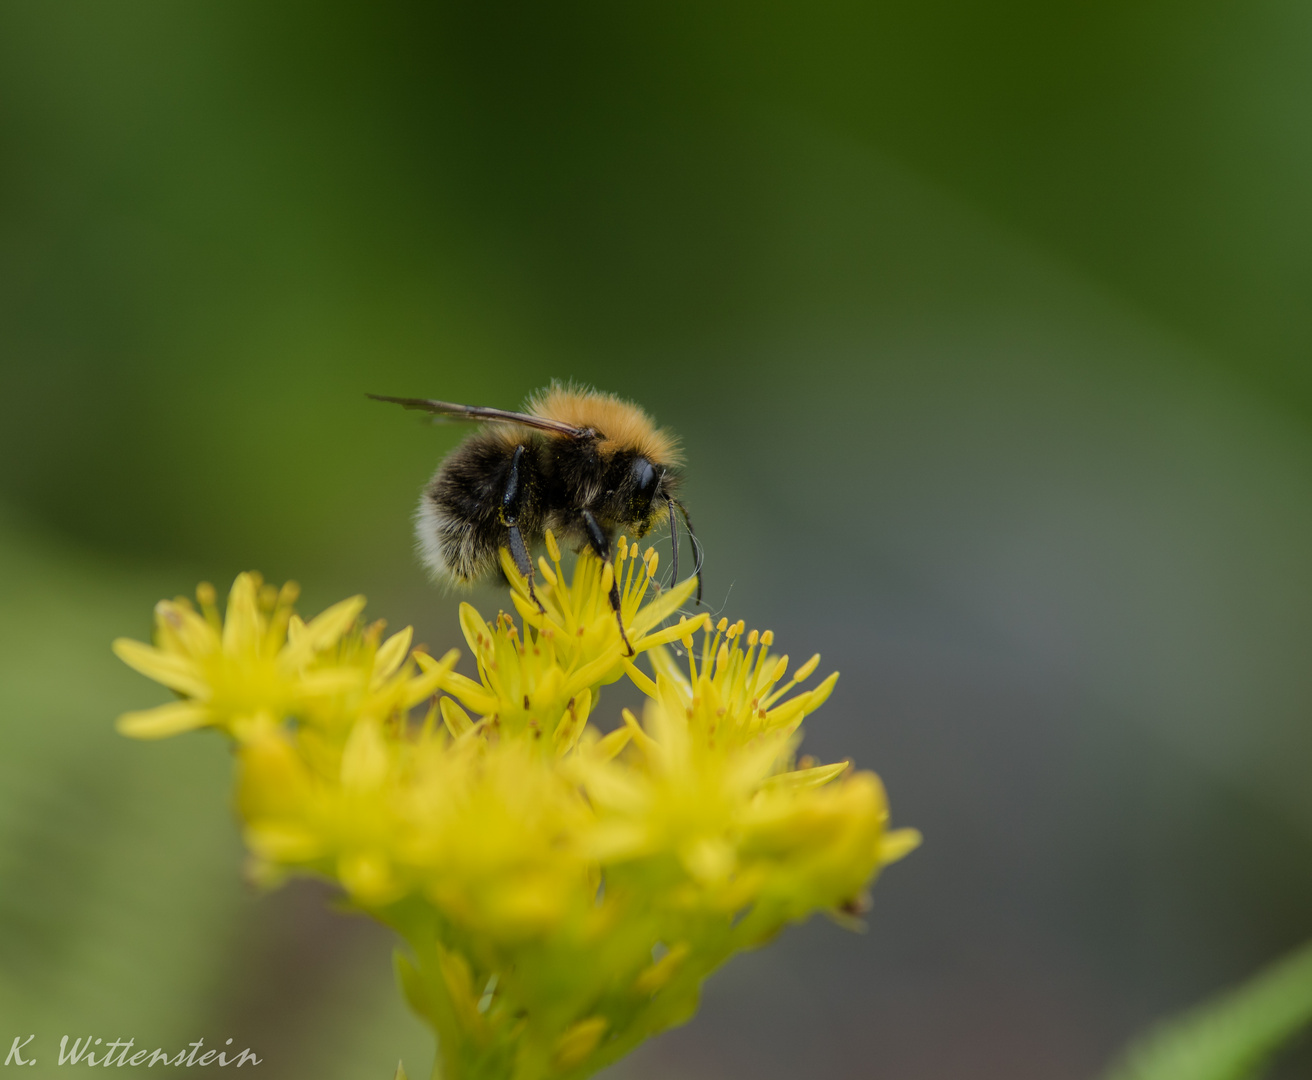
(581, 463)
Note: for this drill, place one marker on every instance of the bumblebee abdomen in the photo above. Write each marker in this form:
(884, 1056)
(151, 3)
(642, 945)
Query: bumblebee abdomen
(458, 524)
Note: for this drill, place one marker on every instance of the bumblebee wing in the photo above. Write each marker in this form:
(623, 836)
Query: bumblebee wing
(479, 413)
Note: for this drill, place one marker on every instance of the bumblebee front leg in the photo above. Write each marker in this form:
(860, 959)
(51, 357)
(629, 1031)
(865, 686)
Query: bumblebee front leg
(510, 519)
(600, 545)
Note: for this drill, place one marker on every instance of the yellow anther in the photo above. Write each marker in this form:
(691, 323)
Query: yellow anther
(286, 595)
(547, 572)
(767, 638)
(206, 595)
(807, 668)
(608, 579)
(552, 548)
(779, 669)
(722, 626)
(652, 560)
(752, 639)
(622, 549)
(740, 626)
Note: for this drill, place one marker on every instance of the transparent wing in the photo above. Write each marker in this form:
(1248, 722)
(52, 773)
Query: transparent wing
(480, 413)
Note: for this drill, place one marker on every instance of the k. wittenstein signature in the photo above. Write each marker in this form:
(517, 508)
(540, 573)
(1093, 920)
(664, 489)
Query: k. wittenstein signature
(89, 1051)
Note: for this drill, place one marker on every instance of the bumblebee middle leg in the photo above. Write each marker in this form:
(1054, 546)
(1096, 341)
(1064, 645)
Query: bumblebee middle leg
(510, 519)
(600, 545)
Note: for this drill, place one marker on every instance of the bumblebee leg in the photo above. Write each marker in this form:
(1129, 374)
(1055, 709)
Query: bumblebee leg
(519, 552)
(601, 548)
(510, 518)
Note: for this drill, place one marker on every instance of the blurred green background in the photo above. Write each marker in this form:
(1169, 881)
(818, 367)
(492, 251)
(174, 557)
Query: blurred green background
(988, 330)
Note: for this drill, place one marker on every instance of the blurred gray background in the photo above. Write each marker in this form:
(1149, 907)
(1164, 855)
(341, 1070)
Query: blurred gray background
(986, 327)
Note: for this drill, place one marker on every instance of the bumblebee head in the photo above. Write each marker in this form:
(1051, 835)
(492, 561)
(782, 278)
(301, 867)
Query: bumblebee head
(648, 487)
(651, 493)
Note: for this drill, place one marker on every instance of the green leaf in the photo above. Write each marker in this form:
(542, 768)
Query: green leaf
(1231, 1037)
(413, 986)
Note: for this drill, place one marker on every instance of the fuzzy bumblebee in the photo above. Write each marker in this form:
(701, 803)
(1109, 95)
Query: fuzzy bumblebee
(584, 464)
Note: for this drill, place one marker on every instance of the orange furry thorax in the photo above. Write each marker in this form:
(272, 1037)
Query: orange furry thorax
(621, 424)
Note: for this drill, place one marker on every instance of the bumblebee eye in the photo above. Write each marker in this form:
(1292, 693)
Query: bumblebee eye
(645, 479)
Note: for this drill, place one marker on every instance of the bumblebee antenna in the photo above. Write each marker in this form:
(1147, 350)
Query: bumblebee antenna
(697, 552)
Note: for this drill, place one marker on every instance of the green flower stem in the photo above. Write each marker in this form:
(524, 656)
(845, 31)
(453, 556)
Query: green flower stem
(1233, 1036)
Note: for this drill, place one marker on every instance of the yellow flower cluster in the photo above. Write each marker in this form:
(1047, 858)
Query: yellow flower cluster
(563, 892)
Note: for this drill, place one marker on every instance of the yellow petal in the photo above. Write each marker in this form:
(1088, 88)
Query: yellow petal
(666, 667)
(391, 654)
(898, 844)
(326, 628)
(192, 632)
(639, 677)
(364, 758)
(662, 637)
(592, 673)
(652, 978)
(470, 693)
(798, 779)
(329, 681)
(284, 842)
(610, 745)
(477, 633)
(578, 1042)
(573, 720)
(241, 623)
(368, 877)
(434, 674)
(166, 720)
(456, 719)
(663, 606)
(821, 693)
(173, 671)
